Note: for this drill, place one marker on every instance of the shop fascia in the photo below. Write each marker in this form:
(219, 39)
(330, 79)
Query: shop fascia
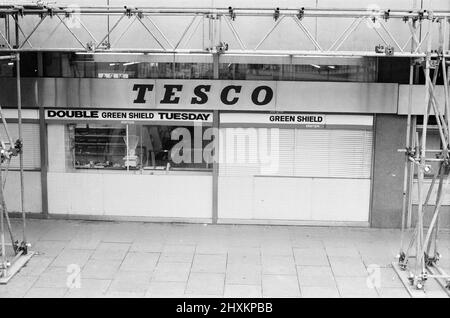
(229, 95)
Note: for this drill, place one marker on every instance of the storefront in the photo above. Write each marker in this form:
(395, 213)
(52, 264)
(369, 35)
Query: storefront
(129, 163)
(288, 167)
(212, 151)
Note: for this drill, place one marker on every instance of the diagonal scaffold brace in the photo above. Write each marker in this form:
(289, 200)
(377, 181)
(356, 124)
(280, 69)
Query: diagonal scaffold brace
(15, 254)
(421, 256)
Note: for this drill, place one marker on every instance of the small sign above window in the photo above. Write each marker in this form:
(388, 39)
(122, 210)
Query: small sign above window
(127, 115)
(296, 120)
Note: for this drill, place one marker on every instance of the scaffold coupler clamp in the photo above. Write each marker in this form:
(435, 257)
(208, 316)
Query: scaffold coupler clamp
(4, 265)
(18, 147)
(23, 247)
(402, 261)
(50, 12)
(301, 13)
(68, 13)
(434, 64)
(90, 46)
(19, 10)
(431, 261)
(276, 14)
(386, 14)
(128, 11)
(446, 159)
(232, 13)
(420, 281)
(410, 152)
(421, 14)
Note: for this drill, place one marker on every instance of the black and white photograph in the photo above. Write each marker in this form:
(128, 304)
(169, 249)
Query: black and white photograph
(224, 156)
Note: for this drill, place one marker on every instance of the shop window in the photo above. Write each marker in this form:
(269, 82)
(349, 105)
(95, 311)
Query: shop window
(234, 71)
(135, 147)
(28, 66)
(7, 68)
(364, 71)
(193, 71)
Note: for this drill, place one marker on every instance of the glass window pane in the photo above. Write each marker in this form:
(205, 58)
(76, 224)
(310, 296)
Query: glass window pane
(149, 147)
(170, 147)
(98, 146)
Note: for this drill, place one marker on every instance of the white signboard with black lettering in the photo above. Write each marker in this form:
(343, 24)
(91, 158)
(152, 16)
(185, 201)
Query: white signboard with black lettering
(127, 116)
(296, 120)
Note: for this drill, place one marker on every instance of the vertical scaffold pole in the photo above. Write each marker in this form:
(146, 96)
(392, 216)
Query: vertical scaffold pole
(420, 260)
(408, 164)
(19, 117)
(3, 265)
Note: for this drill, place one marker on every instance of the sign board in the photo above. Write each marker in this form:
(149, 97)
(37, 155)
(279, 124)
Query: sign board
(296, 120)
(198, 95)
(72, 115)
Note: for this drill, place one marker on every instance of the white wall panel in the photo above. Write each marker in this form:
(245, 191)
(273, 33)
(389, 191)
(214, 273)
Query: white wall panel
(158, 195)
(75, 193)
(130, 195)
(236, 197)
(282, 198)
(340, 200)
(294, 199)
(56, 148)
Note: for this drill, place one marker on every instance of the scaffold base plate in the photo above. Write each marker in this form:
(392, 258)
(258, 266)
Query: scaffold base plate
(16, 267)
(403, 275)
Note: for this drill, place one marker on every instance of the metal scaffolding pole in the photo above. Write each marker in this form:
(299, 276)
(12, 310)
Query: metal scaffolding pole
(8, 149)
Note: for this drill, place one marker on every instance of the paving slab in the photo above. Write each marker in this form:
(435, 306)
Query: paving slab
(205, 283)
(100, 269)
(280, 286)
(243, 291)
(209, 263)
(111, 251)
(165, 289)
(137, 261)
(130, 282)
(315, 276)
(172, 272)
(320, 292)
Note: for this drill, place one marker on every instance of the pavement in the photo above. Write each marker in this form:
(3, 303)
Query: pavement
(132, 259)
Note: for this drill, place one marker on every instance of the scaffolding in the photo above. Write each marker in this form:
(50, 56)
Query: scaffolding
(11, 264)
(219, 30)
(426, 44)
